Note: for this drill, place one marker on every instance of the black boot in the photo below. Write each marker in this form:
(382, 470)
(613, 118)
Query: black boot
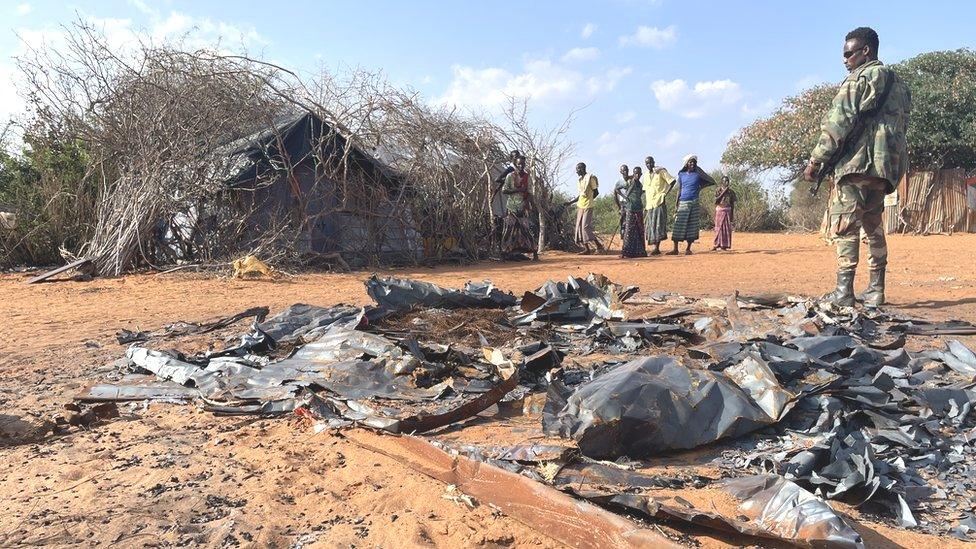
(843, 296)
(874, 296)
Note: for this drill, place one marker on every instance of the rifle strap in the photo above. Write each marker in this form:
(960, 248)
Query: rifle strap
(848, 141)
(882, 99)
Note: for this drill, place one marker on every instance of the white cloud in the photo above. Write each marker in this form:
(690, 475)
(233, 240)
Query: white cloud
(539, 80)
(581, 54)
(202, 31)
(651, 37)
(672, 139)
(23, 9)
(144, 8)
(808, 81)
(122, 35)
(624, 145)
(698, 101)
(633, 143)
(607, 81)
(490, 87)
(588, 30)
(10, 103)
(624, 117)
(752, 111)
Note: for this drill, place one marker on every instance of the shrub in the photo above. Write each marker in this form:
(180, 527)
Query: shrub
(47, 186)
(806, 212)
(755, 209)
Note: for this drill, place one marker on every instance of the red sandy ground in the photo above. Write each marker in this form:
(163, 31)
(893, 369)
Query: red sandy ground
(145, 478)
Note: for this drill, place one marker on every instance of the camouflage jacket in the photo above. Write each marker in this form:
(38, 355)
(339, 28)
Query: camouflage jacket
(882, 150)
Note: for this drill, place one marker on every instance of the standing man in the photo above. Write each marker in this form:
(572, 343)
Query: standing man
(657, 183)
(588, 190)
(862, 146)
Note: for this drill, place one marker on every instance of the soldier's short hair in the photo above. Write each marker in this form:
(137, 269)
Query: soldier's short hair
(866, 36)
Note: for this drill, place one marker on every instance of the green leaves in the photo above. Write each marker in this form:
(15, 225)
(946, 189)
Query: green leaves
(941, 131)
(942, 127)
(785, 138)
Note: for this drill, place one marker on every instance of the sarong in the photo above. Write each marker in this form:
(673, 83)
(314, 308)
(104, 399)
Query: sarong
(657, 224)
(687, 221)
(517, 235)
(634, 235)
(723, 226)
(584, 226)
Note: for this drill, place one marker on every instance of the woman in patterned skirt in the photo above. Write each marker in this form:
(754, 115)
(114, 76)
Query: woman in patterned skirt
(687, 217)
(629, 194)
(724, 214)
(517, 237)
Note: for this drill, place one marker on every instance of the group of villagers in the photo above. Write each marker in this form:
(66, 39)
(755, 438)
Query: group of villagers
(641, 198)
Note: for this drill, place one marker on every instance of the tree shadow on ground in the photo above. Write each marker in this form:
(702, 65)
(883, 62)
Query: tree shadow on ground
(767, 252)
(938, 304)
(17, 430)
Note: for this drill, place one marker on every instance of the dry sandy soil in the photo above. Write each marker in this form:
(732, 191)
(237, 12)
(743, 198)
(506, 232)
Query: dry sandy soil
(165, 475)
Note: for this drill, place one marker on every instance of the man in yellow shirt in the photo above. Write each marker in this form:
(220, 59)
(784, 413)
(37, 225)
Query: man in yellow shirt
(588, 190)
(657, 183)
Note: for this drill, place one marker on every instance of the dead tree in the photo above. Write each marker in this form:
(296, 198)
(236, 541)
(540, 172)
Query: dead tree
(153, 120)
(161, 124)
(547, 151)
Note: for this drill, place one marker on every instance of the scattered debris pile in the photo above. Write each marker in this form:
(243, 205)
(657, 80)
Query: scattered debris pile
(800, 401)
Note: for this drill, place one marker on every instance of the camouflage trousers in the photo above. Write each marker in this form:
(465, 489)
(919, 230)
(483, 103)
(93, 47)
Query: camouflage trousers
(858, 202)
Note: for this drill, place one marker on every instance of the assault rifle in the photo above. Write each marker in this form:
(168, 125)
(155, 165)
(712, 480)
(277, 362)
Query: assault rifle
(852, 137)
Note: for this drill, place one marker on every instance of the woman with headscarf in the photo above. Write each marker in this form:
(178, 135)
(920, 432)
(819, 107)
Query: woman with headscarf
(629, 195)
(724, 211)
(687, 218)
(517, 228)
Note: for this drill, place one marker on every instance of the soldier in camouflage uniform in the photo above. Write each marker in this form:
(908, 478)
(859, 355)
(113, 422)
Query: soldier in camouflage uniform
(865, 168)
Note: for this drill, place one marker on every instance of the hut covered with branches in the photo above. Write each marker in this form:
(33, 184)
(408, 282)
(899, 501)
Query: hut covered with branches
(304, 174)
(205, 156)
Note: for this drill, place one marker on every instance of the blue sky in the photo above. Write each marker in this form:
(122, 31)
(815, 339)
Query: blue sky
(657, 77)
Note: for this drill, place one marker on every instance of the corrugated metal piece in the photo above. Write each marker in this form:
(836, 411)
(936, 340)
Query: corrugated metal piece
(553, 513)
(931, 203)
(891, 222)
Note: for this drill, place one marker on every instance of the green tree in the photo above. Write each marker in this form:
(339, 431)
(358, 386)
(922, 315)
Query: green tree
(755, 209)
(606, 216)
(941, 131)
(805, 211)
(942, 127)
(47, 186)
(784, 139)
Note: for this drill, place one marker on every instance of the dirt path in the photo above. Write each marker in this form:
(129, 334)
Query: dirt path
(173, 474)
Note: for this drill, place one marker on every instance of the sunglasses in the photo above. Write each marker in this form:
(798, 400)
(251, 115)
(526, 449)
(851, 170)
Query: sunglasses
(848, 54)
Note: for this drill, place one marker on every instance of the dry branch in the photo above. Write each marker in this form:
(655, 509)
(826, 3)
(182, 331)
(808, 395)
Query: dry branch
(164, 129)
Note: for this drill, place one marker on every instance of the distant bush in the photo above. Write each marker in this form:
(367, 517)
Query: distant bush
(941, 128)
(562, 224)
(606, 216)
(46, 185)
(755, 209)
(805, 212)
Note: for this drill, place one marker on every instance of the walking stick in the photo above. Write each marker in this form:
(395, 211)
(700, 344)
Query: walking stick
(620, 222)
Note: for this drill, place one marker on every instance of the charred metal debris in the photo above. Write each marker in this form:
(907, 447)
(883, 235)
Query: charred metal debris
(795, 401)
